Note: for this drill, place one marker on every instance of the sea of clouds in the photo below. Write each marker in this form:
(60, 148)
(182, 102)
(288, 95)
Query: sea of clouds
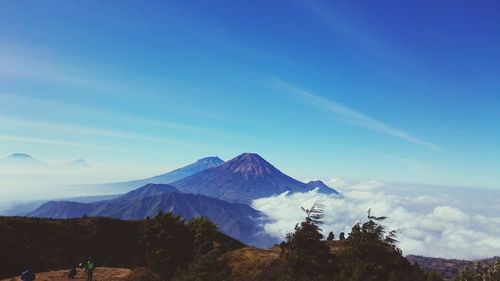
(434, 221)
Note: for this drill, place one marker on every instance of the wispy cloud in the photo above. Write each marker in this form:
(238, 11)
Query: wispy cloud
(352, 116)
(65, 107)
(360, 36)
(73, 129)
(29, 64)
(99, 81)
(415, 165)
(16, 138)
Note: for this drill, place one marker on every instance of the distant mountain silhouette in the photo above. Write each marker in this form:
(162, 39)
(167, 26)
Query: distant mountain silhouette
(78, 163)
(243, 179)
(20, 159)
(317, 184)
(177, 174)
(236, 220)
(448, 268)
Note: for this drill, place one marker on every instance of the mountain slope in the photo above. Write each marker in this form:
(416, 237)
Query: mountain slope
(177, 174)
(236, 220)
(243, 179)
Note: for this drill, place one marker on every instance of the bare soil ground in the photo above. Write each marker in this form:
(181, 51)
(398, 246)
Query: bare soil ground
(100, 274)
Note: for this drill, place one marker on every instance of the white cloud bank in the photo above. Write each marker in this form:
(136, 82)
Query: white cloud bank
(435, 223)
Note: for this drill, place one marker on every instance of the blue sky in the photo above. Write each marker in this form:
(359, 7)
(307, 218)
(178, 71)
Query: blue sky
(405, 91)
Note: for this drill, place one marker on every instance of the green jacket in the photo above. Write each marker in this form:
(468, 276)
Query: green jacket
(90, 266)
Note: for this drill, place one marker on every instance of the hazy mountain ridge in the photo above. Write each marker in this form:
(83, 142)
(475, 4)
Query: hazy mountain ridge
(113, 190)
(236, 220)
(223, 193)
(166, 178)
(448, 268)
(20, 159)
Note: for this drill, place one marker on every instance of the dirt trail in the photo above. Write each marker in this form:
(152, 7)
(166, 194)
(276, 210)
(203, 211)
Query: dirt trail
(100, 274)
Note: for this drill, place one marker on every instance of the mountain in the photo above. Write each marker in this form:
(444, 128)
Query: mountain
(147, 191)
(236, 220)
(78, 163)
(448, 268)
(317, 184)
(177, 174)
(243, 179)
(116, 189)
(22, 209)
(21, 159)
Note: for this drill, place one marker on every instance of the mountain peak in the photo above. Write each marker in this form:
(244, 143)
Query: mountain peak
(21, 159)
(78, 163)
(203, 163)
(316, 184)
(250, 164)
(211, 161)
(242, 179)
(20, 155)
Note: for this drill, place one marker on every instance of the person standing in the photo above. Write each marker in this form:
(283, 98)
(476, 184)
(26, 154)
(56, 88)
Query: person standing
(28, 275)
(89, 269)
(72, 273)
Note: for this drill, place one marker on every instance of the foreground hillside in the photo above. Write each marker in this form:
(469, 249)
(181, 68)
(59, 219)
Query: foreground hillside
(179, 250)
(49, 244)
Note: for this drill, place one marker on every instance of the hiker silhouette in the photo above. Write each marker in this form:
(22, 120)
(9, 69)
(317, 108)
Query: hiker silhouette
(72, 273)
(89, 269)
(28, 274)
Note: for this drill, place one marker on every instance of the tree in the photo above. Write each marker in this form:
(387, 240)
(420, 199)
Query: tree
(306, 256)
(493, 272)
(369, 253)
(168, 243)
(433, 276)
(331, 236)
(209, 263)
(372, 254)
(204, 232)
(480, 273)
(342, 236)
(373, 230)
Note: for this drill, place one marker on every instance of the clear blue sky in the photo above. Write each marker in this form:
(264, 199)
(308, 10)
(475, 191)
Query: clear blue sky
(403, 91)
